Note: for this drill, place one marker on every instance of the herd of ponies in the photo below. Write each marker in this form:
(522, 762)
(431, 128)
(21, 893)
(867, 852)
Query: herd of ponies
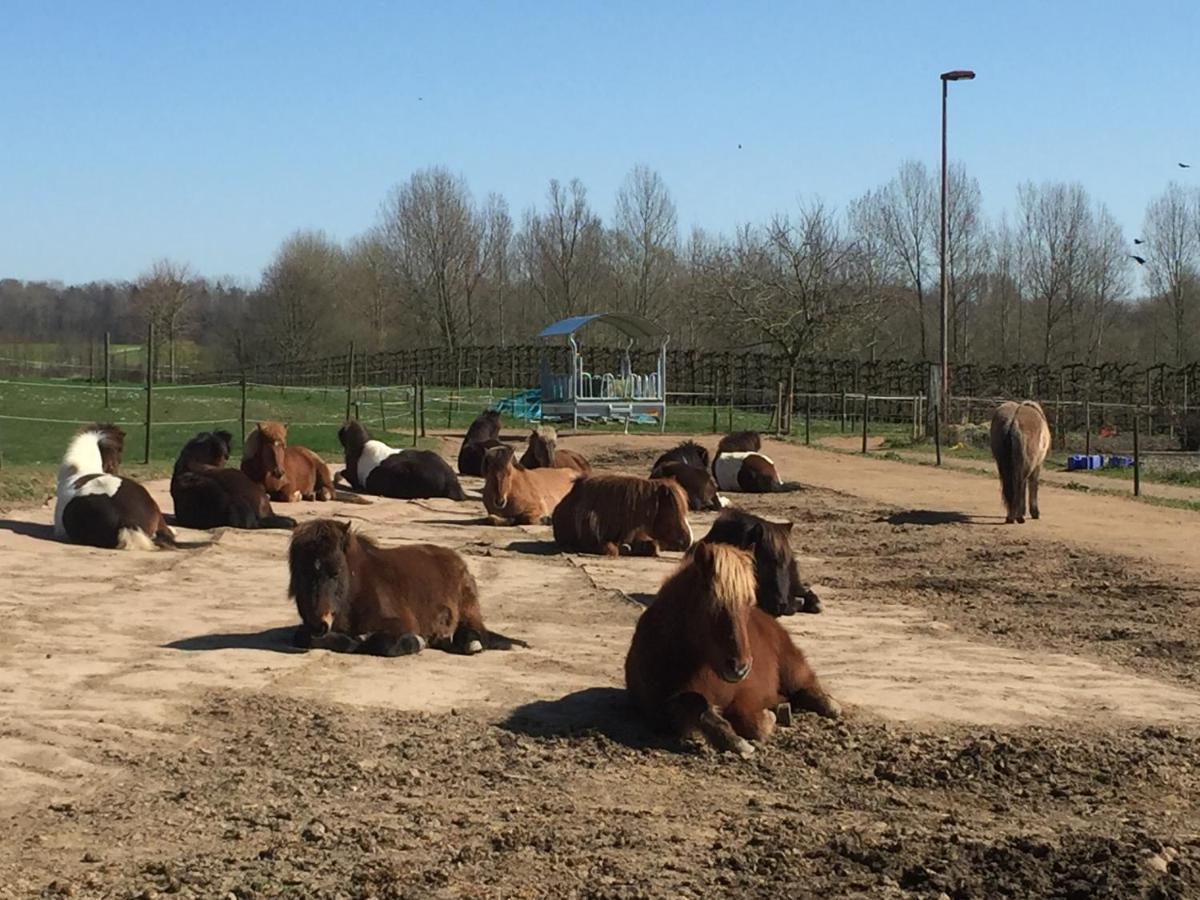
(708, 660)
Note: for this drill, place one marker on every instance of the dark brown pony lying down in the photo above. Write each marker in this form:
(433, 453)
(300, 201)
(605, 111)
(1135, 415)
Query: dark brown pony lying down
(779, 589)
(697, 482)
(209, 495)
(609, 514)
(483, 435)
(707, 663)
(355, 596)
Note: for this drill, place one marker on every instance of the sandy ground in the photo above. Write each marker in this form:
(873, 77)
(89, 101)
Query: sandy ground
(129, 677)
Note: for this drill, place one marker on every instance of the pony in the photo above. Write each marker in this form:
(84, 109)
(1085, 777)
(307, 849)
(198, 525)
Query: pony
(355, 596)
(608, 514)
(780, 591)
(543, 452)
(483, 435)
(689, 453)
(705, 662)
(514, 495)
(697, 482)
(96, 506)
(374, 467)
(740, 442)
(289, 473)
(747, 471)
(1020, 442)
(209, 495)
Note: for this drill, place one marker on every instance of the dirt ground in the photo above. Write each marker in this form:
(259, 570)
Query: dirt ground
(1022, 713)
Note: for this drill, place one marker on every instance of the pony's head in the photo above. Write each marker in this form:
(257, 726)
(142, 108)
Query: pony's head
(696, 482)
(486, 425)
(543, 441)
(209, 448)
(267, 444)
(498, 465)
(94, 449)
(353, 436)
(320, 573)
(671, 528)
(726, 576)
(774, 566)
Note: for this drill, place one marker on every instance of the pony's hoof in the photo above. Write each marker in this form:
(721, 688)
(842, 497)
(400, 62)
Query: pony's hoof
(743, 748)
(1020, 520)
(783, 715)
(474, 647)
(830, 709)
(811, 605)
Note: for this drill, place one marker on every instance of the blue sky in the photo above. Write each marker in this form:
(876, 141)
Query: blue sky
(207, 132)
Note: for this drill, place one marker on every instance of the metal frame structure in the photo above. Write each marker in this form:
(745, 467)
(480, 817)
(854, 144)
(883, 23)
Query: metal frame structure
(623, 395)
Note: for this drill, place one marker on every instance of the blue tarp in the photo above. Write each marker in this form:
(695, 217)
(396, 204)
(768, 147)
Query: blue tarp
(634, 326)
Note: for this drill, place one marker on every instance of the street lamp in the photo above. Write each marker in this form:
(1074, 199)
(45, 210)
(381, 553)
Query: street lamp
(947, 77)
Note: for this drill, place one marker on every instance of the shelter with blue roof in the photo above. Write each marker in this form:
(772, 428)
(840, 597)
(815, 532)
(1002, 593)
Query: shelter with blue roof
(622, 395)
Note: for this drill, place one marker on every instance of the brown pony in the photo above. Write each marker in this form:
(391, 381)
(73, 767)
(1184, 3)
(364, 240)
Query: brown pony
(1020, 442)
(514, 495)
(543, 452)
(289, 474)
(608, 514)
(355, 596)
(706, 662)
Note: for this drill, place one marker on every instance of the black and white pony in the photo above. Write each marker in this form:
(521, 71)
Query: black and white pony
(375, 468)
(96, 506)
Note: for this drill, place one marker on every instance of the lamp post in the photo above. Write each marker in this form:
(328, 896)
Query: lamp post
(947, 77)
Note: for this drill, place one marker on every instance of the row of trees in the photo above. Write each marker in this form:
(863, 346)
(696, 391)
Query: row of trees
(1055, 281)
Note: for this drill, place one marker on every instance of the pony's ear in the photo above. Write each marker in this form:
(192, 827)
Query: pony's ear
(756, 535)
(344, 527)
(258, 425)
(702, 553)
(785, 527)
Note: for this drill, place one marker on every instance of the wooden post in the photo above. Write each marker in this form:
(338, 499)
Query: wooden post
(716, 398)
(937, 436)
(149, 386)
(866, 416)
(730, 387)
(357, 410)
(382, 412)
(243, 417)
(349, 379)
(91, 360)
(807, 419)
(791, 398)
(1137, 457)
(414, 412)
(843, 410)
(422, 404)
(1087, 427)
(779, 410)
(108, 357)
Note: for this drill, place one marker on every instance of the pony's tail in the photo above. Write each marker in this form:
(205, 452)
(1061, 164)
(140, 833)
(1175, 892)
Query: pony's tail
(1012, 469)
(277, 522)
(456, 492)
(493, 640)
(164, 538)
(350, 497)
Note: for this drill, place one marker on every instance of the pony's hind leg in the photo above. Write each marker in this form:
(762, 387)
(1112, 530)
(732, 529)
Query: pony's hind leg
(799, 683)
(691, 716)
(1033, 495)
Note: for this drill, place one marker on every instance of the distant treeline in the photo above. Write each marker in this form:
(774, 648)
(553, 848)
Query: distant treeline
(1053, 282)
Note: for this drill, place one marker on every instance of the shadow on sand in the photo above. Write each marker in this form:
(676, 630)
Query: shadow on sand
(603, 710)
(533, 548)
(29, 529)
(278, 640)
(939, 517)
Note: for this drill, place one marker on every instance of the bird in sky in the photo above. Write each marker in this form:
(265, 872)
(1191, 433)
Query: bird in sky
(1139, 260)
(1185, 165)
(739, 146)
(1138, 241)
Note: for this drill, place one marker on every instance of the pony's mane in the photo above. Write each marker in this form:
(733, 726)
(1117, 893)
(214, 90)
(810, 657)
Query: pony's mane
(499, 457)
(206, 448)
(94, 449)
(356, 430)
(545, 432)
(327, 531)
(732, 585)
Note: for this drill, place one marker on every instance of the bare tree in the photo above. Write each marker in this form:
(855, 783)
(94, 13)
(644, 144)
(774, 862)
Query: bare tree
(162, 294)
(1172, 234)
(646, 240)
(299, 294)
(966, 257)
(433, 238)
(497, 256)
(907, 216)
(563, 250)
(1107, 279)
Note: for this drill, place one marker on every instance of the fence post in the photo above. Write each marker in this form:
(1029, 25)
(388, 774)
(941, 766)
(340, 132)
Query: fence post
(1087, 427)
(807, 419)
(382, 412)
(357, 410)
(779, 410)
(843, 410)
(349, 378)
(422, 387)
(866, 416)
(108, 342)
(791, 398)
(937, 431)
(730, 388)
(716, 398)
(149, 385)
(243, 417)
(414, 412)
(1137, 457)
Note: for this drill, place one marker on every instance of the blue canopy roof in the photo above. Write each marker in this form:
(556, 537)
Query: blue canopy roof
(626, 323)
